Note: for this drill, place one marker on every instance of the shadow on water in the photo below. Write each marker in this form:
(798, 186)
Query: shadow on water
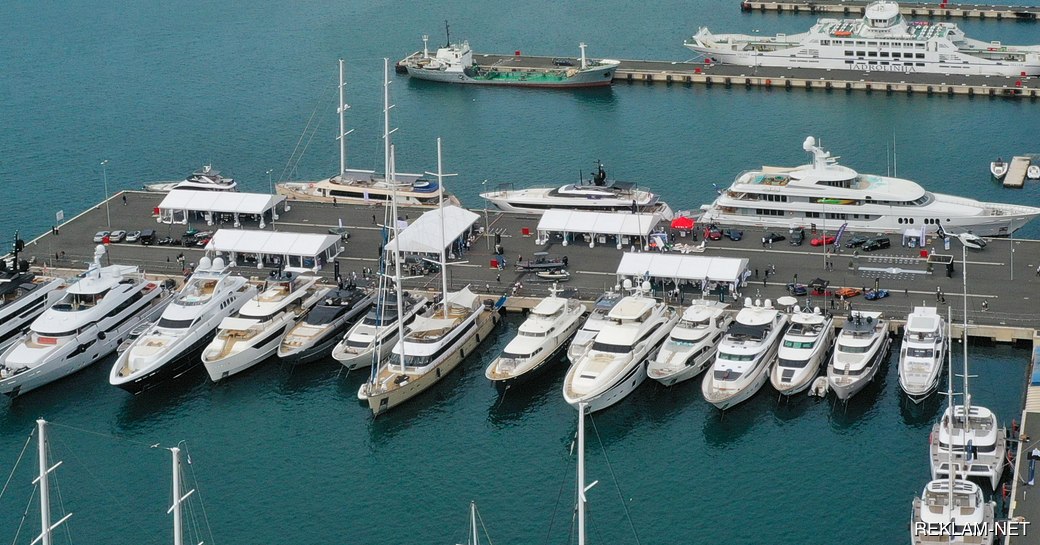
(299, 379)
(664, 403)
(156, 403)
(851, 413)
(792, 407)
(722, 428)
(920, 415)
(517, 402)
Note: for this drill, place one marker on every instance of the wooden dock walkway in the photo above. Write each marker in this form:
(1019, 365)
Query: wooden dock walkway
(948, 10)
(780, 79)
(1016, 174)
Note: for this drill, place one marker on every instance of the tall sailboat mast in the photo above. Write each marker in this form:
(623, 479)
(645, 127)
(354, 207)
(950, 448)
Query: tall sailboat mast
(964, 334)
(46, 528)
(391, 177)
(178, 499)
(444, 242)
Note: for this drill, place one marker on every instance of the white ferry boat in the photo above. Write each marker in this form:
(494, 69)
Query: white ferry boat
(828, 194)
(596, 195)
(882, 41)
(453, 63)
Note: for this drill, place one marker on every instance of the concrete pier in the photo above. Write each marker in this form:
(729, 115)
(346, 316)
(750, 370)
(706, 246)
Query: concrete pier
(1016, 174)
(948, 10)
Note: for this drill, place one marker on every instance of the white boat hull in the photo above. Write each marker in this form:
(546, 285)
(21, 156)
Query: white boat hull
(244, 358)
(726, 399)
(845, 387)
(616, 392)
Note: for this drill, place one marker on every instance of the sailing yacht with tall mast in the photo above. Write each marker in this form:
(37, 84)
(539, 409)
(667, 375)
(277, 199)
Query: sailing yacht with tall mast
(970, 432)
(364, 186)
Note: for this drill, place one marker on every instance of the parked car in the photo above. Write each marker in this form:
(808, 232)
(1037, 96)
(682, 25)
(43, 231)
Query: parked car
(872, 295)
(99, 236)
(166, 241)
(734, 234)
(876, 244)
(147, 237)
(847, 292)
(117, 236)
(797, 237)
(797, 289)
(856, 240)
(822, 240)
(560, 61)
(773, 237)
(713, 233)
(133, 236)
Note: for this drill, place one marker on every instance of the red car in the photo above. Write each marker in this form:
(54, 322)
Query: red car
(822, 241)
(713, 233)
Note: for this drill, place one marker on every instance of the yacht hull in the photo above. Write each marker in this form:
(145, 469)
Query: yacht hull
(180, 363)
(320, 349)
(845, 389)
(728, 399)
(799, 382)
(380, 402)
(616, 392)
(364, 358)
(508, 381)
(236, 363)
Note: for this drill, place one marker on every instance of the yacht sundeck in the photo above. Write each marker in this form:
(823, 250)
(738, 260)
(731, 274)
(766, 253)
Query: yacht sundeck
(957, 505)
(922, 353)
(315, 336)
(539, 340)
(85, 325)
(747, 350)
(882, 41)
(828, 194)
(205, 179)
(691, 345)
(860, 349)
(172, 346)
(803, 349)
(256, 330)
(586, 334)
(613, 366)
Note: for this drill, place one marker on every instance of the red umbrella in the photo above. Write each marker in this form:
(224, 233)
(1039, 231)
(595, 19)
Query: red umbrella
(682, 222)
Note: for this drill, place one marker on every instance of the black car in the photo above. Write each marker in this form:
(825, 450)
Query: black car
(560, 61)
(734, 234)
(147, 237)
(876, 244)
(773, 237)
(165, 241)
(856, 240)
(797, 237)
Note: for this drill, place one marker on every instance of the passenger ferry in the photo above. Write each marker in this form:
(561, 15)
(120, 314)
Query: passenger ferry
(881, 41)
(828, 195)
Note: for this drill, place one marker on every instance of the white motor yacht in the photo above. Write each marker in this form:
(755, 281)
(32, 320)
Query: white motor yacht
(314, 337)
(539, 340)
(435, 343)
(922, 353)
(369, 341)
(881, 41)
(596, 195)
(830, 195)
(256, 330)
(89, 321)
(998, 169)
(691, 345)
(23, 297)
(172, 346)
(583, 339)
(860, 349)
(614, 365)
(803, 350)
(747, 350)
(205, 179)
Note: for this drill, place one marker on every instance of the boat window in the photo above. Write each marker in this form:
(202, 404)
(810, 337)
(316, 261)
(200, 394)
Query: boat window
(920, 352)
(855, 349)
(793, 364)
(692, 324)
(736, 357)
(174, 324)
(73, 302)
(799, 344)
(533, 333)
(611, 348)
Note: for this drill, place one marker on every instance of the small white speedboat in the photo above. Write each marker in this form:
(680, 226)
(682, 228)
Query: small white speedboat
(1033, 172)
(998, 169)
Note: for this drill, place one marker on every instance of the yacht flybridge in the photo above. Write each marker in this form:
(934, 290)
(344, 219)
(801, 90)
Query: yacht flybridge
(882, 41)
(828, 194)
(596, 195)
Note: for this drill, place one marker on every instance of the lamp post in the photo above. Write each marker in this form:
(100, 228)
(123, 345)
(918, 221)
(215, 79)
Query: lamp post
(104, 176)
(487, 224)
(270, 182)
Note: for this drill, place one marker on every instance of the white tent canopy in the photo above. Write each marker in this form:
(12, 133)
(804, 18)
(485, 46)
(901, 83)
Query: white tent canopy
(424, 235)
(683, 267)
(297, 250)
(621, 224)
(180, 203)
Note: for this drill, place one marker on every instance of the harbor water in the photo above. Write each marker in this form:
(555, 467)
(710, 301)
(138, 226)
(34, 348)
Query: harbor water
(289, 455)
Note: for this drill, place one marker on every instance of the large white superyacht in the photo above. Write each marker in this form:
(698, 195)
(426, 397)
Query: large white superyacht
(172, 346)
(23, 297)
(882, 41)
(828, 195)
(85, 325)
(614, 365)
(802, 351)
(747, 350)
(860, 349)
(922, 353)
(691, 345)
(596, 195)
(538, 342)
(255, 331)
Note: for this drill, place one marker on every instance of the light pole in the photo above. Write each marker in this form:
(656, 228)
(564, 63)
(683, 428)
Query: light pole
(487, 224)
(104, 176)
(270, 182)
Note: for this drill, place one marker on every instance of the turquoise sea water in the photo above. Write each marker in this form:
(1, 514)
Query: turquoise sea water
(289, 456)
